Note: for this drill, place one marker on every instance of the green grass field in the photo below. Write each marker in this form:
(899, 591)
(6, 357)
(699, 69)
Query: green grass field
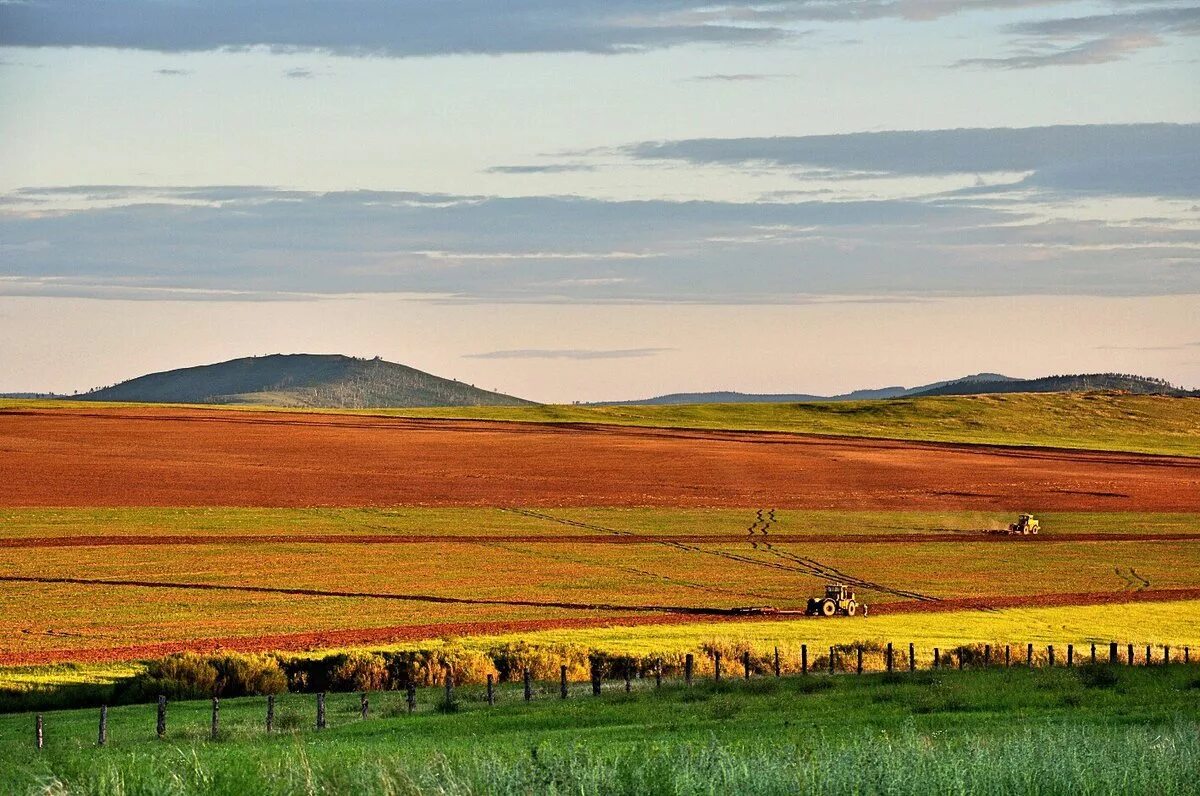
(1096, 421)
(1091, 730)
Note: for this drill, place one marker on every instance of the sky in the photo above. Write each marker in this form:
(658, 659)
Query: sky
(578, 200)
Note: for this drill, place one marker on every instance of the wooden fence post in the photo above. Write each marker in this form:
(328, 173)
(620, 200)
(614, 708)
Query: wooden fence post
(658, 674)
(987, 655)
(778, 672)
(1148, 655)
(1007, 656)
(1050, 655)
(562, 682)
(528, 686)
(410, 696)
(364, 705)
(1029, 656)
(449, 688)
(912, 657)
(1112, 653)
(889, 657)
(1187, 655)
(689, 667)
(270, 712)
(39, 737)
(628, 680)
(1093, 653)
(1070, 655)
(216, 716)
(102, 738)
(594, 671)
(803, 659)
(161, 726)
(831, 653)
(937, 660)
(1166, 653)
(746, 663)
(961, 655)
(491, 690)
(1130, 660)
(321, 710)
(858, 666)
(716, 667)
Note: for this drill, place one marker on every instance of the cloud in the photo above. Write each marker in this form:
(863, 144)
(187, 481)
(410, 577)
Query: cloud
(1096, 51)
(197, 241)
(396, 28)
(571, 353)
(1096, 39)
(173, 72)
(298, 73)
(549, 168)
(736, 78)
(406, 28)
(1133, 159)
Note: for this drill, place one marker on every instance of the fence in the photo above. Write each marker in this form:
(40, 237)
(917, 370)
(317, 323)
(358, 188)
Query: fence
(840, 660)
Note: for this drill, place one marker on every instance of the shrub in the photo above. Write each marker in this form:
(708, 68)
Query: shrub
(191, 676)
(360, 671)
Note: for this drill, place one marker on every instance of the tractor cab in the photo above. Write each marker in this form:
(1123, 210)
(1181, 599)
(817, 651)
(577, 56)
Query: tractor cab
(838, 592)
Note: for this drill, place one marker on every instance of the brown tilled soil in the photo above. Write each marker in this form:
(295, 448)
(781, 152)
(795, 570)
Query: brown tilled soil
(96, 456)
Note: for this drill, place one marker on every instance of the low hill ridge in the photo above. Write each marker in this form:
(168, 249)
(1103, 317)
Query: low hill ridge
(976, 384)
(302, 380)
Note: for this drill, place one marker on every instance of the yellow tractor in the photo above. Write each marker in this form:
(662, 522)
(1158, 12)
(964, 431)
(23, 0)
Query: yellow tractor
(1026, 525)
(838, 601)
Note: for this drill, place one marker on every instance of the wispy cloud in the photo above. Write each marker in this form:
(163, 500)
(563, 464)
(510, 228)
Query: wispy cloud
(299, 73)
(548, 168)
(571, 353)
(173, 72)
(1131, 159)
(745, 77)
(1096, 39)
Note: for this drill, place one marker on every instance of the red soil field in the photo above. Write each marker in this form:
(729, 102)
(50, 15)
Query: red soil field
(167, 456)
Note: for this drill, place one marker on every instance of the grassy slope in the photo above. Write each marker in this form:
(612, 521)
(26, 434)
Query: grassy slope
(1099, 421)
(950, 732)
(1146, 424)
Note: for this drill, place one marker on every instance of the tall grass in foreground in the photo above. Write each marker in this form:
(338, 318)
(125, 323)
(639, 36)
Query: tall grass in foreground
(1030, 760)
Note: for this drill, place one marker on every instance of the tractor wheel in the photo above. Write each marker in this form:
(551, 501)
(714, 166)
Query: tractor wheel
(828, 608)
(852, 609)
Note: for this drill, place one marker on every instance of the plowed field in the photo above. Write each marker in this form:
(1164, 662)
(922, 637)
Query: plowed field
(134, 456)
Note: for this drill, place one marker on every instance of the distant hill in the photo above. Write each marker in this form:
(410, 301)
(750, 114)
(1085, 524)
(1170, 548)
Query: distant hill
(302, 380)
(977, 384)
(727, 397)
(1088, 382)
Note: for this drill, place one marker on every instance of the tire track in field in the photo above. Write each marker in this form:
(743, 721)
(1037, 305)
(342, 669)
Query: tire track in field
(796, 564)
(820, 570)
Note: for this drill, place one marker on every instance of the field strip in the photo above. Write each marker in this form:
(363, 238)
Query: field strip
(358, 595)
(950, 537)
(951, 623)
(912, 606)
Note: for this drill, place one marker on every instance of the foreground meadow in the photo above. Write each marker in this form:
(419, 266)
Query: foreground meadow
(1089, 730)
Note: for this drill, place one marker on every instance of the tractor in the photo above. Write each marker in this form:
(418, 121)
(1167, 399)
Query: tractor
(838, 601)
(1026, 525)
